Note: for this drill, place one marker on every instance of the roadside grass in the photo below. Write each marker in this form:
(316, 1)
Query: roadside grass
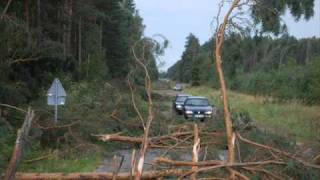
(291, 118)
(73, 163)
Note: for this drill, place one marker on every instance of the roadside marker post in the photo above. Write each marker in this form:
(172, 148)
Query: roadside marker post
(56, 96)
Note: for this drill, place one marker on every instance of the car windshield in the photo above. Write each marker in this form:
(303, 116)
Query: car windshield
(181, 98)
(197, 102)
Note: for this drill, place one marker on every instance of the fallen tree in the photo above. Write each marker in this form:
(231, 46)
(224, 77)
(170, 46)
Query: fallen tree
(174, 140)
(215, 163)
(18, 148)
(119, 176)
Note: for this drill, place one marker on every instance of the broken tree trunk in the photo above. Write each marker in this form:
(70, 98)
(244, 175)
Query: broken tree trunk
(161, 160)
(148, 88)
(156, 142)
(120, 176)
(218, 52)
(18, 148)
(214, 163)
(195, 151)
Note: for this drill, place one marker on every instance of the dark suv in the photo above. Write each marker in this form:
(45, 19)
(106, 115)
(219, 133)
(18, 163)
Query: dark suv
(197, 107)
(178, 102)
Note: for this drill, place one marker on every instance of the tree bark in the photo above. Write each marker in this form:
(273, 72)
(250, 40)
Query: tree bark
(68, 11)
(27, 19)
(88, 65)
(120, 176)
(39, 22)
(101, 37)
(212, 163)
(18, 149)
(227, 117)
(145, 142)
(195, 151)
(79, 46)
(15, 159)
(69, 29)
(64, 37)
(153, 141)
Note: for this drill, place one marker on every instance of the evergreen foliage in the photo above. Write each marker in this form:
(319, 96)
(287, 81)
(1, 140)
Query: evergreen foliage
(268, 13)
(86, 40)
(285, 68)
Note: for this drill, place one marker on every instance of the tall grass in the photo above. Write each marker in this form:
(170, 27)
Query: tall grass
(290, 118)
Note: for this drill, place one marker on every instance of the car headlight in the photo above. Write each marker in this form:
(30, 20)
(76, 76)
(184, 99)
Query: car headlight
(208, 112)
(189, 112)
(179, 106)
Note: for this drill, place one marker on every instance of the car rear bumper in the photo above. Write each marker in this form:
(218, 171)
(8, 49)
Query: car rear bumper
(198, 116)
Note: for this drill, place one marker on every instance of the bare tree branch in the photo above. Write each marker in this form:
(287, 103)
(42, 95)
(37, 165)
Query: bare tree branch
(134, 102)
(5, 9)
(13, 107)
(278, 151)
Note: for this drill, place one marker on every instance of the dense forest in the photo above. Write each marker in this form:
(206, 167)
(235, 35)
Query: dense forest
(85, 44)
(284, 67)
(76, 40)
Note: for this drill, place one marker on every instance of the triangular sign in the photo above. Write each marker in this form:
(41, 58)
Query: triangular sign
(57, 89)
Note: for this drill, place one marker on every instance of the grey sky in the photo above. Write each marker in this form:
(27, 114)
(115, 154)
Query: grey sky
(175, 19)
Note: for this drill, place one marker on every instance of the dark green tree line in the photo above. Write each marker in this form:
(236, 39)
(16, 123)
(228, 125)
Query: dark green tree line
(283, 67)
(84, 40)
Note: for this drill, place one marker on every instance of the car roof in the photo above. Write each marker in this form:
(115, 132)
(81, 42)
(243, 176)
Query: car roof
(197, 97)
(183, 95)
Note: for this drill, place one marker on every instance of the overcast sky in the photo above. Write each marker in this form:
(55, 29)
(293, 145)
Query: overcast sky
(176, 19)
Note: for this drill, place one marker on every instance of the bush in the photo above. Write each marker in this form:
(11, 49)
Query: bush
(291, 82)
